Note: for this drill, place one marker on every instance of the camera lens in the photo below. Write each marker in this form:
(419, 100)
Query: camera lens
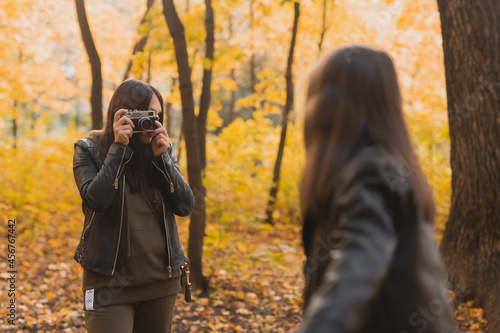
(145, 124)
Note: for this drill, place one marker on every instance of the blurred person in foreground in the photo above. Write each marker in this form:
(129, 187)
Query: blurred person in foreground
(372, 261)
(131, 187)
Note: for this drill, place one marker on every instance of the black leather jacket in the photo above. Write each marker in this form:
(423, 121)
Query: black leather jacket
(101, 183)
(373, 266)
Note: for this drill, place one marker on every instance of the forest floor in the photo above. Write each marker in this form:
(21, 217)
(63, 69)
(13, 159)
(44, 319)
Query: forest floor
(254, 270)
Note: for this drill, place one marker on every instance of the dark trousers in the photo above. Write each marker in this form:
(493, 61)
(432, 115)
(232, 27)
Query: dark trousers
(154, 316)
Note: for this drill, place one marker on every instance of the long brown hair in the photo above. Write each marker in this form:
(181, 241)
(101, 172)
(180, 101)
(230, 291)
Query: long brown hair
(354, 95)
(131, 94)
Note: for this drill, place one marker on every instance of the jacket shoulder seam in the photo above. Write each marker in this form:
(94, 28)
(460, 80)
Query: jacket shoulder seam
(86, 143)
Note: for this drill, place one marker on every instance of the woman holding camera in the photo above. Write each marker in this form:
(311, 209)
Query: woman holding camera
(131, 187)
(372, 262)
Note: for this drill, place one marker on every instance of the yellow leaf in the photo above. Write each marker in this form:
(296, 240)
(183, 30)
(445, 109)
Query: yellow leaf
(243, 311)
(207, 63)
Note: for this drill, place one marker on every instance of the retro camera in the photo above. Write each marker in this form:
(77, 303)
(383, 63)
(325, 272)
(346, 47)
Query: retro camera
(144, 121)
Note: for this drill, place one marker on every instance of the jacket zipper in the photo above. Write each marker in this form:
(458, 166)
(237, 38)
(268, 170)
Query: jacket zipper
(121, 224)
(118, 173)
(120, 168)
(85, 230)
(167, 238)
(166, 175)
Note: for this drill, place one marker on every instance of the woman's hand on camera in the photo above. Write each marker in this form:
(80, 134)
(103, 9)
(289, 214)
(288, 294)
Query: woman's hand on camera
(160, 141)
(122, 127)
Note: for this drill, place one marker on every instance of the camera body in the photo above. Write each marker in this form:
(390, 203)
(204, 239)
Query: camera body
(144, 121)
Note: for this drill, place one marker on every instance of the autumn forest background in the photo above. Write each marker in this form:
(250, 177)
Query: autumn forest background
(247, 65)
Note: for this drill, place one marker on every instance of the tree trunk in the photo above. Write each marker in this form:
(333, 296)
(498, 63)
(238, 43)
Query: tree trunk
(141, 43)
(14, 132)
(253, 75)
(179, 149)
(78, 115)
(232, 102)
(284, 119)
(197, 225)
(168, 108)
(148, 77)
(207, 82)
(323, 28)
(64, 118)
(471, 241)
(95, 64)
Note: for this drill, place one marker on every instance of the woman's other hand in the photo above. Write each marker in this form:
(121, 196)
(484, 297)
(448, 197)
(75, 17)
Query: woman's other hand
(160, 141)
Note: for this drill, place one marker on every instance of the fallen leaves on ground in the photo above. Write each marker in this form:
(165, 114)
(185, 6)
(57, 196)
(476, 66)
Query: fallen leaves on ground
(255, 283)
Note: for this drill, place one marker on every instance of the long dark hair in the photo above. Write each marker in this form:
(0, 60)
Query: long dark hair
(354, 94)
(130, 94)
